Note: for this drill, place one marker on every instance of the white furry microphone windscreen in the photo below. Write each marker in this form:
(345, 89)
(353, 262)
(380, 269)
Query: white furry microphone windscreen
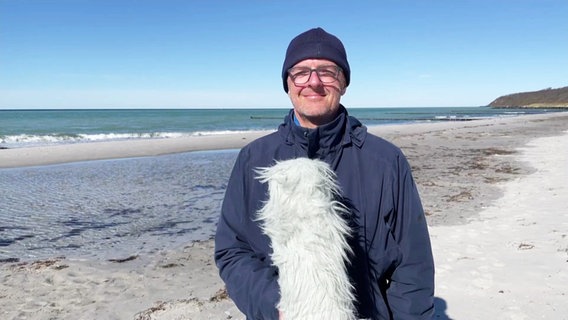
(308, 231)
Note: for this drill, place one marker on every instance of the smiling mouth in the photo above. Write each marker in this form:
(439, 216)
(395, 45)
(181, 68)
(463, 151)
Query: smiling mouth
(313, 95)
(314, 98)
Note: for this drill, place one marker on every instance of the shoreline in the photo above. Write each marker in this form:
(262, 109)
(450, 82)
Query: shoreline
(121, 149)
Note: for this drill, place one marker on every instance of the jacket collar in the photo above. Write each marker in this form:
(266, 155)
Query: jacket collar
(342, 131)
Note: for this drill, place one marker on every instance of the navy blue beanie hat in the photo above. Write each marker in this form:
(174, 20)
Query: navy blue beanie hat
(315, 44)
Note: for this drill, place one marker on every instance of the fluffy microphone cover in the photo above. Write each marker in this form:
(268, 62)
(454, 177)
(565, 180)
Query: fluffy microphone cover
(308, 231)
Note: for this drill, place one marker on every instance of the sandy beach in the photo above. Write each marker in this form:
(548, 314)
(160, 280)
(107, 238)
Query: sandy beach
(494, 192)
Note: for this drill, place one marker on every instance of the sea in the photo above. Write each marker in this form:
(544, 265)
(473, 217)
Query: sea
(112, 209)
(27, 128)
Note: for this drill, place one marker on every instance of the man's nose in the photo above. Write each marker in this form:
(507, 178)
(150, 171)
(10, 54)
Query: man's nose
(314, 80)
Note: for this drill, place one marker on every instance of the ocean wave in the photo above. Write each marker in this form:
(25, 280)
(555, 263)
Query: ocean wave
(34, 140)
(222, 132)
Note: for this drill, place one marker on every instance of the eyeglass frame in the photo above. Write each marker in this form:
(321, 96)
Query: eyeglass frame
(311, 70)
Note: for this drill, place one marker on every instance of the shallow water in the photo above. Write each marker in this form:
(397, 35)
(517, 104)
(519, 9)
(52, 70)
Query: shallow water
(111, 208)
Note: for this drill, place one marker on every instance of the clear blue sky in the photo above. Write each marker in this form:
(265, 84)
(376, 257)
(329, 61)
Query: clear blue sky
(187, 54)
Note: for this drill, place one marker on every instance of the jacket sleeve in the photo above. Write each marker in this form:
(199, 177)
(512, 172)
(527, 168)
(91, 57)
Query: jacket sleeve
(250, 279)
(411, 289)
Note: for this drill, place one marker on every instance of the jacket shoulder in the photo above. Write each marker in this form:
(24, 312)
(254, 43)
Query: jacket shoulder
(263, 143)
(261, 151)
(381, 147)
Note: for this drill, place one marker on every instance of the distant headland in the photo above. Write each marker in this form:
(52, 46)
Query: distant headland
(547, 98)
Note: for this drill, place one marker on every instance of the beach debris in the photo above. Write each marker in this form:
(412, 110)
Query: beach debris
(462, 196)
(525, 246)
(133, 257)
(147, 314)
(497, 151)
(507, 168)
(10, 260)
(171, 265)
(41, 264)
(170, 310)
(220, 295)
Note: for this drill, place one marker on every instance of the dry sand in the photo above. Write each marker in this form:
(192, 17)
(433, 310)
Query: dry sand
(496, 207)
(511, 261)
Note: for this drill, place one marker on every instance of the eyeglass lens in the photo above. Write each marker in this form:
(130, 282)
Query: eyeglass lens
(326, 74)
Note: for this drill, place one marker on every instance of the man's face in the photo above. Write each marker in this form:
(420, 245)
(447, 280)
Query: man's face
(315, 102)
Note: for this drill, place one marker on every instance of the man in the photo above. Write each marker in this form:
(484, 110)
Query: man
(391, 268)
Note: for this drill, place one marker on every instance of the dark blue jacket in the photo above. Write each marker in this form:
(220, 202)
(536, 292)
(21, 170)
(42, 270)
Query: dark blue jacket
(392, 268)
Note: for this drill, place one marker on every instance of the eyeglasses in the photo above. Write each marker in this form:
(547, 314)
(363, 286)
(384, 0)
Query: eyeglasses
(326, 74)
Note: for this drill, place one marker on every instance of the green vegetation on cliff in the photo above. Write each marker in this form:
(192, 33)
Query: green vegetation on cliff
(547, 98)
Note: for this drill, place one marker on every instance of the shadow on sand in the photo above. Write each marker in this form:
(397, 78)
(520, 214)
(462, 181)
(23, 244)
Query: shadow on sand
(440, 307)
